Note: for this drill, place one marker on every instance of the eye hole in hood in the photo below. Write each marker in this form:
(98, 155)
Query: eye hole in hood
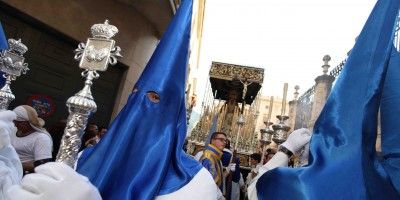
(153, 97)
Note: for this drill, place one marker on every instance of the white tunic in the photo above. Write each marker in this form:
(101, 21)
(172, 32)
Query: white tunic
(33, 147)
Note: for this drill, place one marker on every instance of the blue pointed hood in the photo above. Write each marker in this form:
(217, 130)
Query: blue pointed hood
(343, 163)
(3, 39)
(141, 156)
(3, 46)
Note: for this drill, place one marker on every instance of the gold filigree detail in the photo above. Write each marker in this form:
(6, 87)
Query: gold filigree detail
(230, 71)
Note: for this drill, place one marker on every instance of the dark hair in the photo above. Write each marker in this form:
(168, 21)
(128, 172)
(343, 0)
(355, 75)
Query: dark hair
(89, 134)
(256, 156)
(270, 151)
(214, 135)
(101, 127)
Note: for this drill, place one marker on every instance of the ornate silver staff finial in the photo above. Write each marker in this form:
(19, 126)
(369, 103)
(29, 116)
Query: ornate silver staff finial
(12, 65)
(266, 134)
(16, 46)
(281, 129)
(98, 52)
(326, 65)
(105, 30)
(296, 93)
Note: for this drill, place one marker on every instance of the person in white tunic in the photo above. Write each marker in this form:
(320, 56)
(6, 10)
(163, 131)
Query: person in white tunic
(32, 142)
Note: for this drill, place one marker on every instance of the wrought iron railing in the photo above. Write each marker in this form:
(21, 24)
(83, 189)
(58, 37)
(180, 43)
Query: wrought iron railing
(304, 108)
(336, 71)
(306, 100)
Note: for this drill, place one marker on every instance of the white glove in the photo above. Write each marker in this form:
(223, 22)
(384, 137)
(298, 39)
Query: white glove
(297, 139)
(232, 167)
(54, 181)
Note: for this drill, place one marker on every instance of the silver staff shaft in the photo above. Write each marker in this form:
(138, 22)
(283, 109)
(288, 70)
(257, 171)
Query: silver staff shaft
(98, 52)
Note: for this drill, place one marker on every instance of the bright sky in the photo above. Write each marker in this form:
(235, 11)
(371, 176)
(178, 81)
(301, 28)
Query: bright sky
(286, 37)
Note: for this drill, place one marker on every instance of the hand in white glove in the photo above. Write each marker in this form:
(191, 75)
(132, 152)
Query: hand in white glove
(232, 167)
(297, 139)
(54, 181)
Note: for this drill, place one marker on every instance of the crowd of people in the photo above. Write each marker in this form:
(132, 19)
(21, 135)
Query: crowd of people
(35, 145)
(223, 163)
(141, 156)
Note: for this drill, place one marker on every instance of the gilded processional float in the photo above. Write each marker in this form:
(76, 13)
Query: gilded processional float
(231, 105)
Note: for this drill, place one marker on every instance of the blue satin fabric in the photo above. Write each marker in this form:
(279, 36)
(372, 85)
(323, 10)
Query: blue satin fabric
(390, 126)
(3, 45)
(343, 162)
(3, 39)
(141, 155)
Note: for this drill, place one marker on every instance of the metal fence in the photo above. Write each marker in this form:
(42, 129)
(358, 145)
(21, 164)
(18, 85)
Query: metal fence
(306, 100)
(304, 108)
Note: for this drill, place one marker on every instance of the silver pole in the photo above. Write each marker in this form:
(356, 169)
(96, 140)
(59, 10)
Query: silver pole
(240, 122)
(98, 52)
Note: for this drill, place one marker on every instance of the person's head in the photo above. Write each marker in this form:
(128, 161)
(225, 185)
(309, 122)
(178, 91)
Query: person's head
(92, 127)
(23, 126)
(255, 158)
(101, 132)
(27, 119)
(89, 138)
(218, 139)
(269, 154)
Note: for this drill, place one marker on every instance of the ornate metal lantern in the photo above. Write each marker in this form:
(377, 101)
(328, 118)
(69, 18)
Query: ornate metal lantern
(12, 64)
(281, 129)
(266, 134)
